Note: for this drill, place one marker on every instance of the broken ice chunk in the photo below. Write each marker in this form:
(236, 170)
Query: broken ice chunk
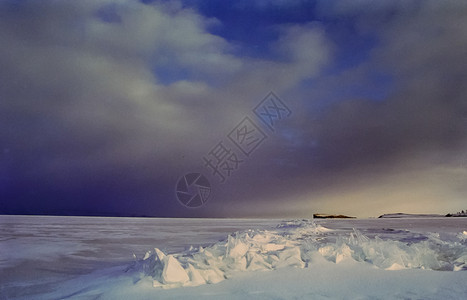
(173, 272)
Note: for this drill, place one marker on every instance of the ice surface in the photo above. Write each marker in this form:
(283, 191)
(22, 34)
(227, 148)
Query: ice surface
(462, 236)
(90, 258)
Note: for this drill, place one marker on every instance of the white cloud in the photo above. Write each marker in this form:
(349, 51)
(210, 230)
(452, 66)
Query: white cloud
(306, 47)
(96, 85)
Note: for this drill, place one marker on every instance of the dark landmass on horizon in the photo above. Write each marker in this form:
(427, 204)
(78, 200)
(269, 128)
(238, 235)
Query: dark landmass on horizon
(404, 215)
(329, 216)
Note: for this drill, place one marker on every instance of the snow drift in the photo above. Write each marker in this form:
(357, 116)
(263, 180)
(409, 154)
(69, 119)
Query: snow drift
(297, 244)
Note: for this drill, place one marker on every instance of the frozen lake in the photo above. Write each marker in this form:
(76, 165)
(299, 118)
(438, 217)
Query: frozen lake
(65, 257)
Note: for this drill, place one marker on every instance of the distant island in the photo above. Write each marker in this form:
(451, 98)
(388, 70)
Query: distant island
(462, 213)
(404, 215)
(326, 216)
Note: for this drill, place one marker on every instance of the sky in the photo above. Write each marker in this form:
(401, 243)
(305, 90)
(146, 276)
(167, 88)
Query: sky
(280, 108)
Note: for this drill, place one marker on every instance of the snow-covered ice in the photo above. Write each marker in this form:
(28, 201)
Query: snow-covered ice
(123, 258)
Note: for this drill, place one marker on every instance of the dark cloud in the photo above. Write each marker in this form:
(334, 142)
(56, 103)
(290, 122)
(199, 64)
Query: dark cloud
(421, 50)
(366, 155)
(419, 128)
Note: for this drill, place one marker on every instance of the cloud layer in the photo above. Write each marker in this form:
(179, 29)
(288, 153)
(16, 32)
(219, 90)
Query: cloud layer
(105, 104)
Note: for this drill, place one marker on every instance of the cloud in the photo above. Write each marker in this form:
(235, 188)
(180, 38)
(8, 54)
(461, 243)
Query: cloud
(421, 122)
(420, 49)
(79, 93)
(94, 89)
(126, 96)
(366, 154)
(306, 46)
